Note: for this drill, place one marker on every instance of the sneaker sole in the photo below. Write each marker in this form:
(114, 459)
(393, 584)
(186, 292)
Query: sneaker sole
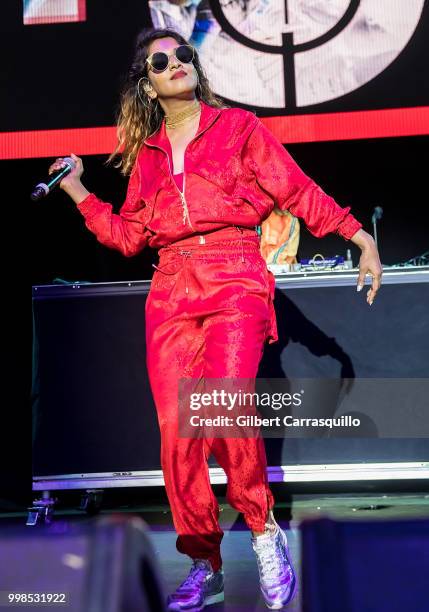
(279, 606)
(211, 599)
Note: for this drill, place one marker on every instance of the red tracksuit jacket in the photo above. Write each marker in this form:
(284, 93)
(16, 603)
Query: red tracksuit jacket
(235, 170)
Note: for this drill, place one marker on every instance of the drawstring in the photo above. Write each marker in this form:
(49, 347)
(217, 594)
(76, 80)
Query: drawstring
(160, 270)
(185, 254)
(241, 236)
(185, 268)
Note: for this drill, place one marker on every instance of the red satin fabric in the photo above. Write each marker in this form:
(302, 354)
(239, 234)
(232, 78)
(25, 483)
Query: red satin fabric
(207, 316)
(234, 173)
(210, 307)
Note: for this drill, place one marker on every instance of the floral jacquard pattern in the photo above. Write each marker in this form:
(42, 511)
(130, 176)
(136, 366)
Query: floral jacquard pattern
(235, 171)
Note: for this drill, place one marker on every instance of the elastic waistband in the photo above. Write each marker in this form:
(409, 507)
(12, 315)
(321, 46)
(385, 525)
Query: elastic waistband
(199, 246)
(232, 233)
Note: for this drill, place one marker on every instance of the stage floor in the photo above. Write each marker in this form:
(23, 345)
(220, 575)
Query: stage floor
(241, 574)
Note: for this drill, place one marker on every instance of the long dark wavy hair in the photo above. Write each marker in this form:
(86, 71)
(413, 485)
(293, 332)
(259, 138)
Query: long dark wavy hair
(136, 121)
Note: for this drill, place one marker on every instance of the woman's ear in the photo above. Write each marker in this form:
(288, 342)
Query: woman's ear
(148, 89)
(151, 92)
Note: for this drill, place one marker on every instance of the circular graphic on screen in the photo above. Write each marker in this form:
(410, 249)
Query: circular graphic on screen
(291, 53)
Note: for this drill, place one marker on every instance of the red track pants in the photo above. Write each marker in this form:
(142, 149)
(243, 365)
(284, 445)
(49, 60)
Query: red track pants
(208, 315)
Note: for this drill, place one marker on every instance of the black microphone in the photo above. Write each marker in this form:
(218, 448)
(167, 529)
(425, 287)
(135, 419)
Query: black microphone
(42, 189)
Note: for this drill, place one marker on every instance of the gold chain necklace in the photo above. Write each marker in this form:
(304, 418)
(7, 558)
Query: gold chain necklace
(171, 121)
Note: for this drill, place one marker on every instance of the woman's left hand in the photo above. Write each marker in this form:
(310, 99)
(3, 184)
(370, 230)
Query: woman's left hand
(369, 263)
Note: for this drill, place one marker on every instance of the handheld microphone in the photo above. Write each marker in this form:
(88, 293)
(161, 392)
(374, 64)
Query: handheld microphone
(378, 213)
(42, 189)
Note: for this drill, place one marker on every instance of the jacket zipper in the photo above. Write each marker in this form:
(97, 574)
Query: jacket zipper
(181, 193)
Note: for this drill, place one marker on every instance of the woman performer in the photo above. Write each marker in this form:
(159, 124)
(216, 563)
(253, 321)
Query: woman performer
(203, 176)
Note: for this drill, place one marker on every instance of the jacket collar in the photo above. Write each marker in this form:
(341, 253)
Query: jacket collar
(207, 117)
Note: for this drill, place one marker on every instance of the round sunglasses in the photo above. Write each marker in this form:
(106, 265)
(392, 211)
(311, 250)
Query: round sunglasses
(159, 61)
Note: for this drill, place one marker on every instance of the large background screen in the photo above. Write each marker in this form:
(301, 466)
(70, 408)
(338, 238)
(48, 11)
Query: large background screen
(314, 70)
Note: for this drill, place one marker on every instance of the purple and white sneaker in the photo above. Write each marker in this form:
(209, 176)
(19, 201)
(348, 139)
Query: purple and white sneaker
(201, 588)
(276, 573)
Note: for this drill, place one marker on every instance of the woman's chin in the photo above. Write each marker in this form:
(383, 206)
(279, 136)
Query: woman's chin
(183, 92)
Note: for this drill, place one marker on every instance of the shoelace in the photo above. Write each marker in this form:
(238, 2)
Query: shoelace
(197, 573)
(269, 565)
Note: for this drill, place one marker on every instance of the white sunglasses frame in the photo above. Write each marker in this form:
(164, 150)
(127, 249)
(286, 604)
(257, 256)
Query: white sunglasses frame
(169, 56)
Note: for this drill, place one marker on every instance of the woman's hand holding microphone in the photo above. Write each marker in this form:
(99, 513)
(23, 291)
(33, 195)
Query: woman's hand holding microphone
(71, 182)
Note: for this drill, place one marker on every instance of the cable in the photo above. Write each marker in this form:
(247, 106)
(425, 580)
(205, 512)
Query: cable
(418, 260)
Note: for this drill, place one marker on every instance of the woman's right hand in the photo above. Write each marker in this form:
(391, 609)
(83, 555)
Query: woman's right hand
(73, 177)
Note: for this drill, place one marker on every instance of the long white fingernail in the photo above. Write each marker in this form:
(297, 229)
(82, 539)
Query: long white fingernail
(359, 288)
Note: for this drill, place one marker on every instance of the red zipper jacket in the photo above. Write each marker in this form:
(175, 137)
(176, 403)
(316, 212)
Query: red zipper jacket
(235, 171)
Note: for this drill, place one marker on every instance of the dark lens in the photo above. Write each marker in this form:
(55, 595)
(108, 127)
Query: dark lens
(159, 61)
(185, 54)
